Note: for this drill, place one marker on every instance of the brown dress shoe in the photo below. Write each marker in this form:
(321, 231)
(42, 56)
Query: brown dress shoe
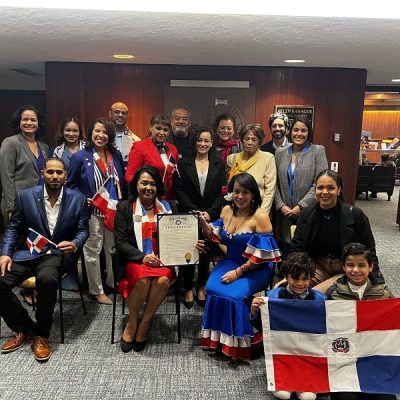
(41, 348)
(16, 342)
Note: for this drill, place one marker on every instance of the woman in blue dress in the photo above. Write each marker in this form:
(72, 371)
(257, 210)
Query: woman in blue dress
(247, 268)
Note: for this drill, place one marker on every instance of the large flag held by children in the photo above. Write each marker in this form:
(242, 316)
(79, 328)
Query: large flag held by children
(332, 346)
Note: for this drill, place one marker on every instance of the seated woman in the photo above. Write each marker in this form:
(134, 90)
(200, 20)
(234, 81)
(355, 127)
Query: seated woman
(144, 279)
(247, 268)
(326, 227)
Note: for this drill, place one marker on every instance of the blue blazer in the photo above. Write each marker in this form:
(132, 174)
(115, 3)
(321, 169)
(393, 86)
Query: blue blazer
(81, 172)
(30, 212)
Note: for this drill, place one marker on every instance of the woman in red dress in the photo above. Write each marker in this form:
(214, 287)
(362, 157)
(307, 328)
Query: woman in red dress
(144, 279)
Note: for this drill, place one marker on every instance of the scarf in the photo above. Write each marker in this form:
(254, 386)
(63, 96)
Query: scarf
(225, 148)
(142, 224)
(59, 150)
(240, 165)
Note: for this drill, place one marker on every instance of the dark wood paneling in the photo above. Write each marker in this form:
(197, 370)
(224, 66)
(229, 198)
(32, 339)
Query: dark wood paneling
(10, 100)
(88, 90)
(382, 124)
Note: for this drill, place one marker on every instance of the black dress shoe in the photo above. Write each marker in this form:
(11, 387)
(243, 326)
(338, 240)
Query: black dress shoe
(138, 346)
(126, 347)
(188, 304)
(201, 303)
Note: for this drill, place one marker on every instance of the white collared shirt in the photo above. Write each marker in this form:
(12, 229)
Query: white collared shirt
(284, 144)
(52, 211)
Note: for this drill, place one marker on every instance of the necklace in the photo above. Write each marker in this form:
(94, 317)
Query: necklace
(229, 234)
(328, 215)
(202, 161)
(150, 208)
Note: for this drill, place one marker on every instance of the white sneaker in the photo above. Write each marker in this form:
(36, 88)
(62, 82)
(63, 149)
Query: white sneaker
(282, 394)
(306, 396)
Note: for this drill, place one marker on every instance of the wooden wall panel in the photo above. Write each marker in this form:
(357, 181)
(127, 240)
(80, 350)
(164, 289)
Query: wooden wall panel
(382, 123)
(89, 89)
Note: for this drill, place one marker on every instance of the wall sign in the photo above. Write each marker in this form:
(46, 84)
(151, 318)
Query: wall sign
(296, 111)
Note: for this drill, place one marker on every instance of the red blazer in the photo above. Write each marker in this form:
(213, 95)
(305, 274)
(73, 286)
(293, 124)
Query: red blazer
(146, 153)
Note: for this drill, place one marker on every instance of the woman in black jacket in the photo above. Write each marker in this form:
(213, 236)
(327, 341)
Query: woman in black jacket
(326, 227)
(199, 188)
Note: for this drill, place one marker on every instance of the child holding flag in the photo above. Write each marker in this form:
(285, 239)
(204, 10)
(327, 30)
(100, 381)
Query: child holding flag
(298, 271)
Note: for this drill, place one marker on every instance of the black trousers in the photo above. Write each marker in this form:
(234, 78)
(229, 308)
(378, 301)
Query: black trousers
(361, 396)
(46, 270)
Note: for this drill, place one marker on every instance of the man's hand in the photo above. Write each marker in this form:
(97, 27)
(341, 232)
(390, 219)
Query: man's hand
(67, 247)
(5, 263)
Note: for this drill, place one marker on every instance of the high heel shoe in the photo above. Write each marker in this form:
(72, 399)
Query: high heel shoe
(126, 347)
(200, 302)
(188, 304)
(138, 346)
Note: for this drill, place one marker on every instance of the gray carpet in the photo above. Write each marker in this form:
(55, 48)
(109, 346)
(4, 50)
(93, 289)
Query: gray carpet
(87, 366)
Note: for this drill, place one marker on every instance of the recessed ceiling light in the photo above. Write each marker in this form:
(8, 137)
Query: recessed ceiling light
(295, 61)
(123, 56)
(396, 80)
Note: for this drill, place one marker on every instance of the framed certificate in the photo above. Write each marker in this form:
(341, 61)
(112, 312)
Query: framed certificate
(177, 238)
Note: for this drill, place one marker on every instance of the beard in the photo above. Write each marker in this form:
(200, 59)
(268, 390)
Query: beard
(180, 131)
(278, 135)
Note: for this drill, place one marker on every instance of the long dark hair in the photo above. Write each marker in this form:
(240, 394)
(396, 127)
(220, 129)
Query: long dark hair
(153, 172)
(336, 177)
(110, 133)
(248, 182)
(60, 133)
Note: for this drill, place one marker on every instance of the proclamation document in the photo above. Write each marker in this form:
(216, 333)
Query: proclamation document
(177, 238)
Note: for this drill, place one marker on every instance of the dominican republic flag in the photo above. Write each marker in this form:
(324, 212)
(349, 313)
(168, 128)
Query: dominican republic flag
(36, 242)
(106, 200)
(332, 346)
(171, 167)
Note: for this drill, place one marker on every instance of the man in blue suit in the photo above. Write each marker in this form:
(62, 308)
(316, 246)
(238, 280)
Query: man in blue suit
(60, 215)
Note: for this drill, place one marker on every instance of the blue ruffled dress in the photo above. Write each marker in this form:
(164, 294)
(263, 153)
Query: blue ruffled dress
(226, 320)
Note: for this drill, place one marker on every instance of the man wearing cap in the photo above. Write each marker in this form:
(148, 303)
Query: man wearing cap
(125, 138)
(279, 127)
(181, 138)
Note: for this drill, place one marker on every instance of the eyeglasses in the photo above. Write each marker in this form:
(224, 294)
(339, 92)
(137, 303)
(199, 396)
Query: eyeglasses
(160, 128)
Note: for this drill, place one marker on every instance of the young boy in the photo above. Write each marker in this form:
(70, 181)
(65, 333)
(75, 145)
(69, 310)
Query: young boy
(357, 284)
(298, 270)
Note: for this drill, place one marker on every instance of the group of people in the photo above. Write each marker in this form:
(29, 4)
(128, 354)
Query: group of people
(245, 193)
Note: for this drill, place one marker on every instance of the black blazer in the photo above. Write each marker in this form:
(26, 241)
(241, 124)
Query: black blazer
(187, 187)
(354, 227)
(124, 237)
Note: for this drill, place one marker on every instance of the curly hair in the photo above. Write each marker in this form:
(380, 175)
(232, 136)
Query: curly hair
(298, 264)
(15, 119)
(110, 133)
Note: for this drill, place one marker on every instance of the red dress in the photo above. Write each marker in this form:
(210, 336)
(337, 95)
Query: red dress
(135, 272)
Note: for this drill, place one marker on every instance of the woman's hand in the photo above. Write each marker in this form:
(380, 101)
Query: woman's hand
(230, 276)
(255, 305)
(201, 246)
(296, 210)
(206, 215)
(89, 201)
(286, 211)
(151, 261)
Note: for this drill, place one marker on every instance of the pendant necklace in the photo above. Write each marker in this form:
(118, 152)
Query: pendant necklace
(150, 208)
(230, 235)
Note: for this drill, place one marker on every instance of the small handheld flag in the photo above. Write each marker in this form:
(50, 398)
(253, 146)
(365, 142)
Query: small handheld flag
(36, 242)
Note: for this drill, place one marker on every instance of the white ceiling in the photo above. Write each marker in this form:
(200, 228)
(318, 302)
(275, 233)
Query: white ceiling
(30, 37)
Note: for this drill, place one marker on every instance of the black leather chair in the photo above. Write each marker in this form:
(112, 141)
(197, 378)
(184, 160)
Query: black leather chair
(363, 179)
(382, 180)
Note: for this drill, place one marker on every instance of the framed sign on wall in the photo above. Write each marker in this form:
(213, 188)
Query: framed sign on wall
(296, 111)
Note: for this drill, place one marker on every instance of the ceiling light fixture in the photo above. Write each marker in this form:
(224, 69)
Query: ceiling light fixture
(123, 56)
(295, 61)
(396, 80)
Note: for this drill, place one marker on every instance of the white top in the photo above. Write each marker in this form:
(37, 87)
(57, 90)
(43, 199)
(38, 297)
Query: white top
(358, 289)
(52, 211)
